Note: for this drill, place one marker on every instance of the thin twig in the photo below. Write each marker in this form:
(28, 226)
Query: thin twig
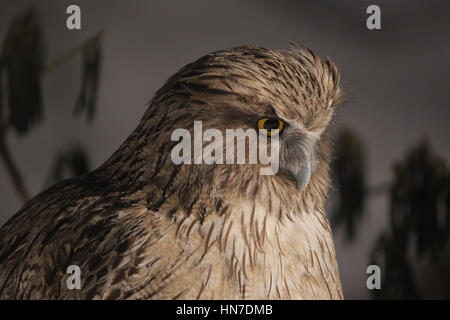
(72, 53)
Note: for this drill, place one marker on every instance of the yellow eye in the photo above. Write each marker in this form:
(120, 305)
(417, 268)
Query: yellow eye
(270, 124)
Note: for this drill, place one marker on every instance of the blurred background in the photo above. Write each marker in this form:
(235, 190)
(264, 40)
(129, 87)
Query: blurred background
(69, 98)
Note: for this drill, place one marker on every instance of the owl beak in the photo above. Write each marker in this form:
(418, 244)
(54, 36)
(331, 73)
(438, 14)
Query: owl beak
(298, 157)
(299, 173)
(303, 175)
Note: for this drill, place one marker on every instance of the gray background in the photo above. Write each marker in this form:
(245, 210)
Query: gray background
(397, 80)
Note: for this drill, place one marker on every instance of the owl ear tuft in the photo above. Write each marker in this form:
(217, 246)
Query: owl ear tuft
(334, 72)
(336, 93)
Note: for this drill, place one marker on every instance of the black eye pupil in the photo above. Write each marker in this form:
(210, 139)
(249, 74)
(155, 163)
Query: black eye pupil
(271, 124)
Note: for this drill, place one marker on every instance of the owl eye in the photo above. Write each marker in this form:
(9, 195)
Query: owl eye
(271, 124)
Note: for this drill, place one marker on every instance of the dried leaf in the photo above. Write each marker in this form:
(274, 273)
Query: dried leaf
(23, 54)
(419, 200)
(73, 162)
(348, 177)
(87, 97)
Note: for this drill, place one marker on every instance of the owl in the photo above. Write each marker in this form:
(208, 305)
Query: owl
(142, 226)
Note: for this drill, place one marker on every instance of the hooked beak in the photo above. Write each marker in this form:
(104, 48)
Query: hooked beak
(297, 157)
(303, 175)
(299, 172)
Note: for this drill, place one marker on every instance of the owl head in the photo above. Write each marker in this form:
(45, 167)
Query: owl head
(290, 93)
